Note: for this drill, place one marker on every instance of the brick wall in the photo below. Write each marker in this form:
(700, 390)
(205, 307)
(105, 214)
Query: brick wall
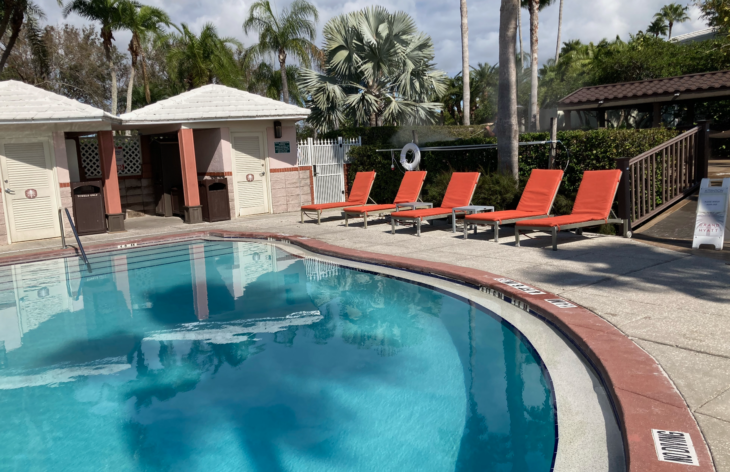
(137, 196)
(290, 188)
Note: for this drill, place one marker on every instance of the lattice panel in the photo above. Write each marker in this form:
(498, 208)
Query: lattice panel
(130, 164)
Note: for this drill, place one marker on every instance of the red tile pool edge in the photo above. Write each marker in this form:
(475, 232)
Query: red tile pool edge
(644, 397)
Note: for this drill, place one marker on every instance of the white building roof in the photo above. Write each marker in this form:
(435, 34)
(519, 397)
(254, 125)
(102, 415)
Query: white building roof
(699, 35)
(214, 103)
(23, 103)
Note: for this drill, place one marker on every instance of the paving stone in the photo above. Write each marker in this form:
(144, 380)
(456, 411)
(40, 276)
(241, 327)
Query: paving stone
(717, 436)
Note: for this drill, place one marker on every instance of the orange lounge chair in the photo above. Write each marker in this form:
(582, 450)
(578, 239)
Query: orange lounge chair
(536, 202)
(458, 194)
(592, 207)
(358, 196)
(410, 188)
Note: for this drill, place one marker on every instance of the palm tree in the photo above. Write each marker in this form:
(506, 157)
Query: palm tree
(507, 127)
(534, 6)
(204, 59)
(673, 13)
(19, 15)
(465, 64)
(519, 31)
(143, 22)
(265, 80)
(658, 27)
(109, 14)
(378, 68)
(560, 29)
(291, 33)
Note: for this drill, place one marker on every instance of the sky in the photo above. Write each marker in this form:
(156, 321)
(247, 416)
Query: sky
(587, 20)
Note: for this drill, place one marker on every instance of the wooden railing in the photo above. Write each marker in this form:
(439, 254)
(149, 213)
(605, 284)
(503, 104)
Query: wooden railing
(653, 181)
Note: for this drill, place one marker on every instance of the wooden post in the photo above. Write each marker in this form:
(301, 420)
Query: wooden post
(112, 200)
(703, 151)
(656, 115)
(553, 144)
(624, 195)
(193, 211)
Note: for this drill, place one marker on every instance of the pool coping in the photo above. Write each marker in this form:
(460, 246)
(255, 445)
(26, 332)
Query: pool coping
(643, 395)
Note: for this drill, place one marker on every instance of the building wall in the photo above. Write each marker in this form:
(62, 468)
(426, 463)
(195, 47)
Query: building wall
(291, 188)
(282, 160)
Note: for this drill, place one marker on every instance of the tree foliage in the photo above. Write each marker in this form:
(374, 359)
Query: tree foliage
(290, 34)
(378, 69)
(75, 64)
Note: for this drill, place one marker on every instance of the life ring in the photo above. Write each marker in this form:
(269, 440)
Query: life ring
(413, 165)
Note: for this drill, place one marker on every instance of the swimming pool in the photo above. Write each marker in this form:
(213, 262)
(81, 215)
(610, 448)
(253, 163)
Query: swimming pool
(226, 355)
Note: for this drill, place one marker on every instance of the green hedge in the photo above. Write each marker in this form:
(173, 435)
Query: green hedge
(589, 150)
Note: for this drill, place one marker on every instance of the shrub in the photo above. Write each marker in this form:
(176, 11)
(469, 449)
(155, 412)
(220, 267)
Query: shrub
(589, 150)
(493, 189)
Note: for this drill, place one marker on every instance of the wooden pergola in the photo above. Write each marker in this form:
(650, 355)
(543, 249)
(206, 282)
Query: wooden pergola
(648, 96)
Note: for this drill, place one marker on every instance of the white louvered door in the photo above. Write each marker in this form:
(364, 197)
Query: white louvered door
(249, 167)
(29, 190)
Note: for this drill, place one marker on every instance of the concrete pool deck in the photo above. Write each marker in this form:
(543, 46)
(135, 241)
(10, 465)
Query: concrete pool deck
(674, 305)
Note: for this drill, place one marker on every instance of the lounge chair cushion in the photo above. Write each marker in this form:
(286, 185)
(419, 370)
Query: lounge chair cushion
(410, 187)
(561, 220)
(596, 193)
(361, 188)
(500, 216)
(422, 213)
(460, 189)
(540, 191)
(327, 206)
(370, 208)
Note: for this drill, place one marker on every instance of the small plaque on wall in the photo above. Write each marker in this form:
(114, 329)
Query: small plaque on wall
(282, 147)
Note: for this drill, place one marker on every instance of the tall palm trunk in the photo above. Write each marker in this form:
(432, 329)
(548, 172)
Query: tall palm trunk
(284, 82)
(560, 28)
(130, 87)
(8, 8)
(534, 111)
(519, 31)
(507, 131)
(16, 23)
(465, 64)
(670, 29)
(146, 80)
(112, 72)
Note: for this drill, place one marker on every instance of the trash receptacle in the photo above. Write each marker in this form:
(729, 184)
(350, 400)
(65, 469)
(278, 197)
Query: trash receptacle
(214, 200)
(88, 205)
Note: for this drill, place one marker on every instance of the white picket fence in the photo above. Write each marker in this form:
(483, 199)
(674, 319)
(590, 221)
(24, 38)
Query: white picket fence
(327, 158)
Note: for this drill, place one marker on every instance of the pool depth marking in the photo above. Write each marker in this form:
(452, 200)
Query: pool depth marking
(560, 303)
(521, 287)
(675, 447)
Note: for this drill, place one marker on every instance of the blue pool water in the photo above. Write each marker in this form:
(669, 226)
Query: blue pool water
(219, 356)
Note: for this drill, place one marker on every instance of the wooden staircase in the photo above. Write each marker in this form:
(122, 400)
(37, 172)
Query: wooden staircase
(652, 182)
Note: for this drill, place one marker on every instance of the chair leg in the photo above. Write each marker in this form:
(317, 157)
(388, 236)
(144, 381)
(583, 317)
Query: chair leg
(555, 238)
(319, 216)
(626, 229)
(366, 220)
(496, 233)
(418, 225)
(346, 221)
(517, 237)
(301, 214)
(579, 231)
(453, 223)
(392, 226)
(466, 230)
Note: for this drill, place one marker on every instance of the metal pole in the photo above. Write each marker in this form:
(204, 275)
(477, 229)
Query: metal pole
(553, 144)
(60, 223)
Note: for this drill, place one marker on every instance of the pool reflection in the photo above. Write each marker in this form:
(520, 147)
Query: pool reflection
(242, 356)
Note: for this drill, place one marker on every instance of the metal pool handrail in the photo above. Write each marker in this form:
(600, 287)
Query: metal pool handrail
(76, 235)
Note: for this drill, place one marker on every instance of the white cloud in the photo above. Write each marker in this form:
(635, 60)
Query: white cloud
(587, 20)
